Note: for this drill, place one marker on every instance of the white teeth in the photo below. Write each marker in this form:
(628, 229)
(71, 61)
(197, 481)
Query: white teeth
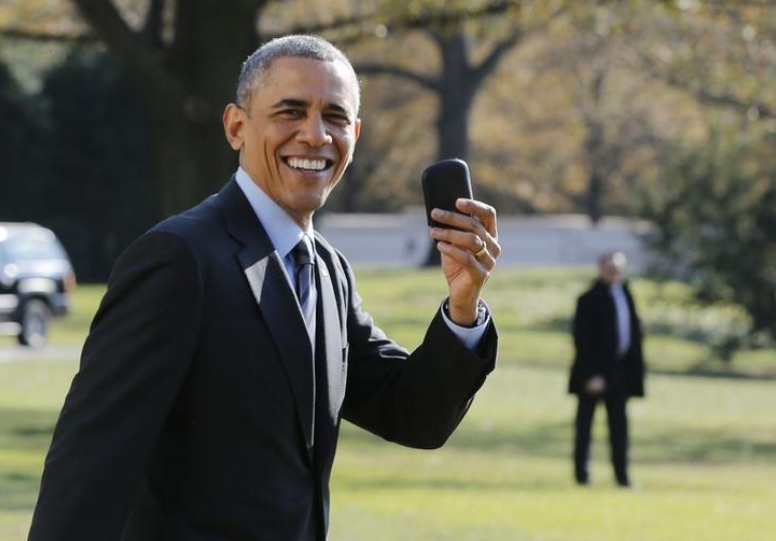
(312, 165)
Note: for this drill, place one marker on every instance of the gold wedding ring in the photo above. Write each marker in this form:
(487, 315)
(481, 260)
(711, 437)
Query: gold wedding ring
(482, 250)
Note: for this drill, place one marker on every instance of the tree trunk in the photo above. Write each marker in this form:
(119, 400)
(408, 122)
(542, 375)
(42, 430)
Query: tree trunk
(193, 158)
(457, 87)
(595, 146)
(457, 93)
(187, 80)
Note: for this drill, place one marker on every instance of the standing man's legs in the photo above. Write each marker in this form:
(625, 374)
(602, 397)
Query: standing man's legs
(582, 426)
(618, 436)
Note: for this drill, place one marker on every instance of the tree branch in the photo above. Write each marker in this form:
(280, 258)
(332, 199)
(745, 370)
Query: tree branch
(722, 5)
(405, 21)
(397, 71)
(425, 20)
(444, 17)
(701, 93)
(137, 57)
(497, 53)
(43, 37)
(336, 24)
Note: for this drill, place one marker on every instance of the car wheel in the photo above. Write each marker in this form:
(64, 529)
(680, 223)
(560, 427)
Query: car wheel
(35, 321)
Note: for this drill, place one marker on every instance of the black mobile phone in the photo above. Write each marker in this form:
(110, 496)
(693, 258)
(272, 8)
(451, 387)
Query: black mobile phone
(443, 183)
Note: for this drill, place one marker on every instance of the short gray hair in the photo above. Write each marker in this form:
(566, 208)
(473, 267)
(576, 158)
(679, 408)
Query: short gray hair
(294, 45)
(615, 256)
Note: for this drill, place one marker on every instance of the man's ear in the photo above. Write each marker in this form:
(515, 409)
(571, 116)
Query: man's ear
(357, 131)
(234, 122)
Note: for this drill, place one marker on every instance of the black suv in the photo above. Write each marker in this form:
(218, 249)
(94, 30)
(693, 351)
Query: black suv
(36, 280)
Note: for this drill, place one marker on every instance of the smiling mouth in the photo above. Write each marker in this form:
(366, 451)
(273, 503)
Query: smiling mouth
(306, 164)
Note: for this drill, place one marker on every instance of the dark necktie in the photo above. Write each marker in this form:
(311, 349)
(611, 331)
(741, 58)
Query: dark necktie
(304, 260)
(305, 282)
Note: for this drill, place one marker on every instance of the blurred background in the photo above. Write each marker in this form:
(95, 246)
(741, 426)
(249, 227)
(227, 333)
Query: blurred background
(652, 119)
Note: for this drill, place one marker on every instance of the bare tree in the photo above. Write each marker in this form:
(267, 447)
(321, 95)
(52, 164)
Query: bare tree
(458, 80)
(184, 56)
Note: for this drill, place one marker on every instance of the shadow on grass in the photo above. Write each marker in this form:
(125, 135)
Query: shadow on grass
(705, 446)
(554, 440)
(25, 437)
(411, 480)
(675, 447)
(18, 492)
(720, 371)
(26, 429)
(699, 370)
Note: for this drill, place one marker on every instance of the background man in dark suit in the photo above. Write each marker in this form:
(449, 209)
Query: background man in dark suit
(608, 364)
(208, 403)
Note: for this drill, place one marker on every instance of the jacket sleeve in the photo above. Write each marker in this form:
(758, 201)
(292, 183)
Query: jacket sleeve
(587, 363)
(415, 399)
(132, 365)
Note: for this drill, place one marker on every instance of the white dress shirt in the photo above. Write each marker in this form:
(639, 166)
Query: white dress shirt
(623, 318)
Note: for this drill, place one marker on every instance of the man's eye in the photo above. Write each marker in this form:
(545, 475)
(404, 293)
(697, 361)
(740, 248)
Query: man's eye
(291, 113)
(341, 120)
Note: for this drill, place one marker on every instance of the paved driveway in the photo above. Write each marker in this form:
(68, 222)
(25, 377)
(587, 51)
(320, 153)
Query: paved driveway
(12, 353)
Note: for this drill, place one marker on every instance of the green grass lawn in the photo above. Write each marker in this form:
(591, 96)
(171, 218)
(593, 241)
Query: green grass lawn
(703, 448)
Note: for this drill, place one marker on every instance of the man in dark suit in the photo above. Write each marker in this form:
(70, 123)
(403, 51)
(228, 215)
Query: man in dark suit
(208, 403)
(608, 365)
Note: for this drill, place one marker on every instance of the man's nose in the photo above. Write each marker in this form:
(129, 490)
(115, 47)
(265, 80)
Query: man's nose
(314, 131)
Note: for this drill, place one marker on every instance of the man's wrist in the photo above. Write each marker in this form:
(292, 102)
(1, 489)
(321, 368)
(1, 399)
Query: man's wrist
(470, 335)
(480, 316)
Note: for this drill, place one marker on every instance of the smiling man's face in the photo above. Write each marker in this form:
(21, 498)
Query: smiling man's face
(297, 134)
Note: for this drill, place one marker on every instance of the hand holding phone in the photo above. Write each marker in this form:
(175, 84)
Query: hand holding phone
(444, 182)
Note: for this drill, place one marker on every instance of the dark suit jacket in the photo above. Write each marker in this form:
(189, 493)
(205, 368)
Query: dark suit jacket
(191, 417)
(595, 343)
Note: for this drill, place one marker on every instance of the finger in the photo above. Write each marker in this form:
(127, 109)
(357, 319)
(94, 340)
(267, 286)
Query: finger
(485, 257)
(482, 259)
(481, 266)
(485, 213)
(489, 242)
(462, 222)
(482, 250)
(469, 241)
(460, 238)
(452, 219)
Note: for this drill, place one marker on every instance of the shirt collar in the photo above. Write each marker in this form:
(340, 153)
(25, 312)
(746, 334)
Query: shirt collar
(282, 230)
(617, 288)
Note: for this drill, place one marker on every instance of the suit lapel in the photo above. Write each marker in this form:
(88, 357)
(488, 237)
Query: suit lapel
(276, 299)
(332, 337)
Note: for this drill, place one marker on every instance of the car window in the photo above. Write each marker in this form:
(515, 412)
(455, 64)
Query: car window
(30, 249)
